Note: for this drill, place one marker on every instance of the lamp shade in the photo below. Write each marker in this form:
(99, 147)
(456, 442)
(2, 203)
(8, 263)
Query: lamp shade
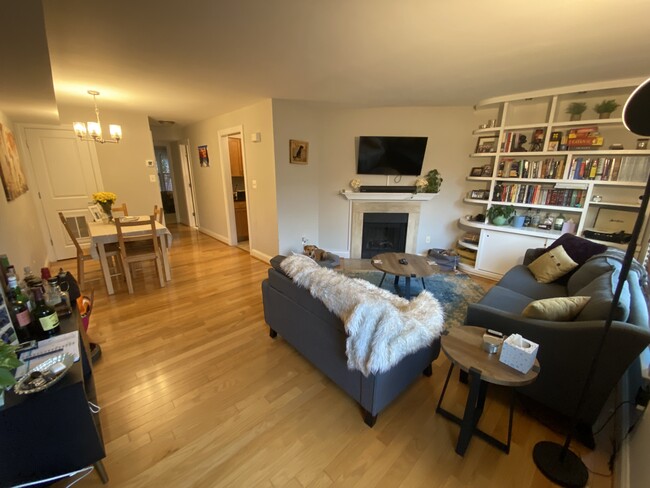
(636, 112)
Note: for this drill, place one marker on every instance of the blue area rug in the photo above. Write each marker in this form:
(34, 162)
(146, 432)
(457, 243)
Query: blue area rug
(453, 290)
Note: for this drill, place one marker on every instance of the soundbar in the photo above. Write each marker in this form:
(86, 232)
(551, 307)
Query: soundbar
(386, 189)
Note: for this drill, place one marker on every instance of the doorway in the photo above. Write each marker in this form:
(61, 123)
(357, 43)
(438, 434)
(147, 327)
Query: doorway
(236, 192)
(166, 182)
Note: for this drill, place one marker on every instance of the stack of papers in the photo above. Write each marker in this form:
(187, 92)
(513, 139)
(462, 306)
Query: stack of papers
(64, 343)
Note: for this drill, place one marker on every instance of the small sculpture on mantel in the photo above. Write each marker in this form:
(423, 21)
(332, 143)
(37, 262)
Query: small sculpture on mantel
(355, 184)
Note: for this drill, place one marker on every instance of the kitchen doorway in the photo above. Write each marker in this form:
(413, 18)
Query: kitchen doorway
(166, 182)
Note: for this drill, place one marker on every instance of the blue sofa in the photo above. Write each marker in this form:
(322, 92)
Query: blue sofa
(566, 349)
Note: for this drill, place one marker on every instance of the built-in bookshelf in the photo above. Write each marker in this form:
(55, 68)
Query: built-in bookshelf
(537, 159)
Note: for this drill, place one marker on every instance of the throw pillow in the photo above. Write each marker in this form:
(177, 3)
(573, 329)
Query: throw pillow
(560, 308)
(551, 265)
(601, 291)
(578, 248)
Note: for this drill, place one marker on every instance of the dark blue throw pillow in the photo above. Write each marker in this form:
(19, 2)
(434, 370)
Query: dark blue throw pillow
(578, 248)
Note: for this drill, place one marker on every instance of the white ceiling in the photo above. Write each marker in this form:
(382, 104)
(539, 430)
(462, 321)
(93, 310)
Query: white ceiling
(187, 60)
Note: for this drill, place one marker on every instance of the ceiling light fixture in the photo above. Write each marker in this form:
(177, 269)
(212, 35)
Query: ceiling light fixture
(93, 130)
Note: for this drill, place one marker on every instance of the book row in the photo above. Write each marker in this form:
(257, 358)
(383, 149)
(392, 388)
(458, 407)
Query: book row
(627, 168)
(542, 169)
(539, 195)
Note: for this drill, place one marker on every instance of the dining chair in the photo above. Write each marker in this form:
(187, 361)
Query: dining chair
(83, 252)
(139, 248)
(158, 213)
(120, 208)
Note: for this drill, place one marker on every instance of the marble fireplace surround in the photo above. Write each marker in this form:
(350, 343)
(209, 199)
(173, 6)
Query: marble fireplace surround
(412, 208)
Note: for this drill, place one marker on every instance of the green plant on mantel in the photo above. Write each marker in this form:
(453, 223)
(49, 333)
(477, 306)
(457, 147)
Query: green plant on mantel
(606, 107)
(502, 212)
(576, 108)
(434, 181)
(8, 361)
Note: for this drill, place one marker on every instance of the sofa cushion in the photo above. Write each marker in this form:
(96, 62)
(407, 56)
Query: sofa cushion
(506, 300)
(551, 265)
(520, 279)
(578, 248)
(601, 290)
(276, 262)
(588, 272)
(638, 304)
(560, 308)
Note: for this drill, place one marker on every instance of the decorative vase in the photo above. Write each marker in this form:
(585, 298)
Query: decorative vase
(519, 221)
(575, 117)
(604, 115)
(500, 220)
(106, 207)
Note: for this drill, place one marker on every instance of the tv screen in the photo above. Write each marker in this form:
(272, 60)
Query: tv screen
(391, 155)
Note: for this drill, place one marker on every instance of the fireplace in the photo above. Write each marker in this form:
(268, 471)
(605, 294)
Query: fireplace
(360, 210)
(383, 232)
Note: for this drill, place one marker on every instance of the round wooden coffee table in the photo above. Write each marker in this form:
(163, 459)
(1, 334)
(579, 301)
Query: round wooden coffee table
(463, 346)
(416, 267)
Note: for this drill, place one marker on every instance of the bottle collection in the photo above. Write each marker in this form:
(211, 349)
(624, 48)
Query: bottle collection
(36, 304)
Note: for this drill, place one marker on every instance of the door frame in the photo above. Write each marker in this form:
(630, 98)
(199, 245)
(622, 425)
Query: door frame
(43, 224)
(226, 176)
(188, 183)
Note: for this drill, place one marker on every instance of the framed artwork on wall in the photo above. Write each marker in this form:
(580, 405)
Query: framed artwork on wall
(204, 159)
(11, 170)
(298, 152)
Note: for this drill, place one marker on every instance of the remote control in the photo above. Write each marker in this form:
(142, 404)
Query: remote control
(403, 261)
(494, 333)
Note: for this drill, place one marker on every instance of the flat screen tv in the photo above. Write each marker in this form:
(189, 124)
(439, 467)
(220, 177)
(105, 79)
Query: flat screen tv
(391, 155)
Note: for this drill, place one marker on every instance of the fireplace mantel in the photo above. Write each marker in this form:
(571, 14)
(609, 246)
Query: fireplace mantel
(386, 197)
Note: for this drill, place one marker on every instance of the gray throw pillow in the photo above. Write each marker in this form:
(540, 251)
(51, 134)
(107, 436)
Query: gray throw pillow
(601, 290)
(587, 273)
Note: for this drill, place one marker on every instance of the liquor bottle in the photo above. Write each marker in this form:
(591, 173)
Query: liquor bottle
(535, 219)
(12, 283)
(528, 218)
(558, 222)
(46, 315)
(21, 317)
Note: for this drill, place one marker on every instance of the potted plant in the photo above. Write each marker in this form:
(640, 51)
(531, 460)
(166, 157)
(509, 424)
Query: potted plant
(605, 108)
(575, 109)
(429, 183)
(500, 214)
(8, 362)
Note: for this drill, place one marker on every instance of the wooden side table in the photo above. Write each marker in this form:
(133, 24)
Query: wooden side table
(417, 267)
(464, 348)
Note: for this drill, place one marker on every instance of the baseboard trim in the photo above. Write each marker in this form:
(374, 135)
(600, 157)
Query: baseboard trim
(261, 256)
(214, 235)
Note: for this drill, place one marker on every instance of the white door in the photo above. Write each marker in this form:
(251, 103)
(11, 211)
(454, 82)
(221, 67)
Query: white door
(67, 174)
(188, 185)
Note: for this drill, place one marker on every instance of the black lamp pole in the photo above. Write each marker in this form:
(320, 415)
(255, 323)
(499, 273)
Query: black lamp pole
(557, 462)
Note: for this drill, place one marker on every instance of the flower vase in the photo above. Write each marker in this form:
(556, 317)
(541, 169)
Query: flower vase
(106, 207)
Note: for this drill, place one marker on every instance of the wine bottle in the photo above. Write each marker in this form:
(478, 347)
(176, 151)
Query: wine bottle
(21, 317)
(12, 283)
(46, 315)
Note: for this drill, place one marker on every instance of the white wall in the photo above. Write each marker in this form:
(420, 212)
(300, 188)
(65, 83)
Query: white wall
(122, 165)
(332, 132)
(21, 238)
(260, 168)
(297, 184)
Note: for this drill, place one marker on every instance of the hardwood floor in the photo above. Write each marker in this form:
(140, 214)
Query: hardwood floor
(195, 393)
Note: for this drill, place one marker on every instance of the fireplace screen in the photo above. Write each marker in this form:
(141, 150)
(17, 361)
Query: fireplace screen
(383, 232)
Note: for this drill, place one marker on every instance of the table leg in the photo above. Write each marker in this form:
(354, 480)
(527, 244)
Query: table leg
(165, 257)
(106, 270)
(101, 471)
(381, 282)
(472, 413)
(407, 293)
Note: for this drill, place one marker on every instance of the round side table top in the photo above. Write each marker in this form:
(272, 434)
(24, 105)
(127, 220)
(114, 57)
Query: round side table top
(463, 345)
(417, 267)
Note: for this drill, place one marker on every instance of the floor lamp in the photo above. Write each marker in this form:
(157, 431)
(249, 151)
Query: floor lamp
(556, 461)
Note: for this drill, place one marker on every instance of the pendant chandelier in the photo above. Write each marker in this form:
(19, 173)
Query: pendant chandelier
(92, 131)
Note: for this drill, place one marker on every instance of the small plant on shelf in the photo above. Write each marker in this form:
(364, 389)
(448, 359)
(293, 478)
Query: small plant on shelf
(8, 362)
(605, 108)
(500, 214)
(575, 109)
(433, 180)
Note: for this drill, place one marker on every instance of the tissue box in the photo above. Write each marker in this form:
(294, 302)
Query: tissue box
(518, 353)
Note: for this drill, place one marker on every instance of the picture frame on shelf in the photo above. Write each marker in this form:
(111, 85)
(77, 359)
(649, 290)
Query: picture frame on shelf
(487, 144)
(477, 171)
(479, 194)
(487, 170)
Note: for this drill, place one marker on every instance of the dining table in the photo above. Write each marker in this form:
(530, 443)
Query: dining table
(103, 233)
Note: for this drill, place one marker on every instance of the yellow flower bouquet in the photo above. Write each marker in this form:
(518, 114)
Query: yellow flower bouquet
(105, 199)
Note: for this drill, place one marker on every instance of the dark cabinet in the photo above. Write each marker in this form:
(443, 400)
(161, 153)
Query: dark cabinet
(53, 432)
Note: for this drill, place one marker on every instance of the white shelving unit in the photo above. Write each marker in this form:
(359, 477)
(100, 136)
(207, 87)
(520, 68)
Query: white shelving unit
(617, 180)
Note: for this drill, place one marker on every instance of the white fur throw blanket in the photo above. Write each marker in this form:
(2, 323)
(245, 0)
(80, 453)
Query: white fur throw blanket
(382, 327)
